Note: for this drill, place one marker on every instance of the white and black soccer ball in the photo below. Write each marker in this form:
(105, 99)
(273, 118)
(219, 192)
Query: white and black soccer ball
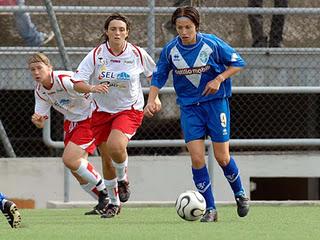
(190, 205)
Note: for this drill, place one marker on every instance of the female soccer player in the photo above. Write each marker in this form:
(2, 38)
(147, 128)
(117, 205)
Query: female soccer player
(55, 88)
(201, 65)
(119, 112)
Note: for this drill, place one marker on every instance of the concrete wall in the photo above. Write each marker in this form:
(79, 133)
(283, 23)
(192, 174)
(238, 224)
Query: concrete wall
(152, 178)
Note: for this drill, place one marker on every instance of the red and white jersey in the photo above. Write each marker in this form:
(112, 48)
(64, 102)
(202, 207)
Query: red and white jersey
(73, 105)
(122, 73)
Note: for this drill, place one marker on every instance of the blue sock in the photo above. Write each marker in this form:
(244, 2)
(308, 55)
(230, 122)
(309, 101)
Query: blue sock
(2, 196)
(231, 172)
(203, 184)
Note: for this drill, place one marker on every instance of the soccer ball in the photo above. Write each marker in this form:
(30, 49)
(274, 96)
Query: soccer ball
(190, 205)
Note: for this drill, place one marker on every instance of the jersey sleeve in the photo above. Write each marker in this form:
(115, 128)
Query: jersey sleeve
(147, 63)
(161, 72)
(68, 85)
(42, 106)
(85, 68)
(228, 55)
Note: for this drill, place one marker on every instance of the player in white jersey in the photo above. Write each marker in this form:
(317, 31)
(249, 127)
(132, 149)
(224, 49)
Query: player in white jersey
(119, 112)
(55, 89)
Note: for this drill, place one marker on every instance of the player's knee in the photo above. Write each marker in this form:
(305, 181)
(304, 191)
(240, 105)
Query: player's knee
(222, 159)
(70, 163)
(198, 162)
(116, 149)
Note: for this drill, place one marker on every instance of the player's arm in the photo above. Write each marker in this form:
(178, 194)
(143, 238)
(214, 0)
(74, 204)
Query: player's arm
(41, 109)
(153, 105)
(83, 87)
(38, 120)
(214, 85)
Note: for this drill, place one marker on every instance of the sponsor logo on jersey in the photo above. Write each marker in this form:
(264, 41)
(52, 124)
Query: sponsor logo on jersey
(123, 76)
(128, 62)
(105, 74)
(115, 61)
(63, 102)
(193, 70)
(50, 93)
(176, 58)
(115, 84)
(102, 61)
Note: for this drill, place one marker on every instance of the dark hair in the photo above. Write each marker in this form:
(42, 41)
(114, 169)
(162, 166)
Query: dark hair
(115, 16)
(188, 12)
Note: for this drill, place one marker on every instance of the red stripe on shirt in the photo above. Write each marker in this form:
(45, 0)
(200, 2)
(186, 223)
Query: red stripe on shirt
(139, 53)
(61, 76)
(40, 96)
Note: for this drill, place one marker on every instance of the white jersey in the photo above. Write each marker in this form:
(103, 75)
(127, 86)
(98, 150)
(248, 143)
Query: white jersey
(122, 73)
(73, 105)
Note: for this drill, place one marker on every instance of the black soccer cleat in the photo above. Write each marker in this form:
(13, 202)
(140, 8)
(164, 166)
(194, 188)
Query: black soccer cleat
(111, 211)
(242, 205)
(210, 216)
(100, 208)
(12, 214)
(123, 190)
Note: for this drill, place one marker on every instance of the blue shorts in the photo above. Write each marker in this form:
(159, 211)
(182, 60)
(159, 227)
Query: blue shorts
(210, 118)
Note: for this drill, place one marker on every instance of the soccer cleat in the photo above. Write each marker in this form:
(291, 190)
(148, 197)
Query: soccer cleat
(210, 215)
(100, 208)
(123, 190)
(10, 211)
(242, 205)
(111, 211)
(94, 211)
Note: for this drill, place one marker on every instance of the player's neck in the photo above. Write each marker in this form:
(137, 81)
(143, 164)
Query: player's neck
(117, 48)
(47, 84)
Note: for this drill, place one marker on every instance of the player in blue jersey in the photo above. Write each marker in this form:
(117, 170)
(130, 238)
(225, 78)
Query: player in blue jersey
(10, 211)
(201, 65)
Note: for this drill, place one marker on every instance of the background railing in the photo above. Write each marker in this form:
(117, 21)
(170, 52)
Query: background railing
(275, 104)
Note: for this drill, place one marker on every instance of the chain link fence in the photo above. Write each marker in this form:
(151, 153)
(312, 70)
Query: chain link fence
(253, 115)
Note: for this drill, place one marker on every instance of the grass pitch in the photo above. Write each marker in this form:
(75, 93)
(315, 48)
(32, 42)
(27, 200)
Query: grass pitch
(263, 222)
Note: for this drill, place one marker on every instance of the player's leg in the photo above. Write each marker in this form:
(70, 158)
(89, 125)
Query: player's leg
(202, 179)
(219, 127)
(75, 158)
(111, 182)
(10, 211)
(192, 124)
(117, 146)
(124, 126)
(232, 174)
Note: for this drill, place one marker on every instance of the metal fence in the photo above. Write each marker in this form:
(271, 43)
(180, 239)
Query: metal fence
(275, 97)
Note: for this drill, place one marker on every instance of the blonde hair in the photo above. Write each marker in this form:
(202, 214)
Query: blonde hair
(39, 57)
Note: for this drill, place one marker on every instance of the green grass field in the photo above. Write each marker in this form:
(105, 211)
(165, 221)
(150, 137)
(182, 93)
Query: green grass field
(263, 222)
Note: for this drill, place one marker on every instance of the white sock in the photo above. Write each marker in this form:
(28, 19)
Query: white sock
(121, 169)
(87, 172)
(91, 189)
(112, 188)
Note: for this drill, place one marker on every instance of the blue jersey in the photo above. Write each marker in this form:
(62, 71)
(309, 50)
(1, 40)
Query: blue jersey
(193, 66)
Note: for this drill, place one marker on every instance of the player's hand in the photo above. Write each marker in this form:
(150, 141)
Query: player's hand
(212, 87)
(151, 108)
(38, 120)
(100, 88)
